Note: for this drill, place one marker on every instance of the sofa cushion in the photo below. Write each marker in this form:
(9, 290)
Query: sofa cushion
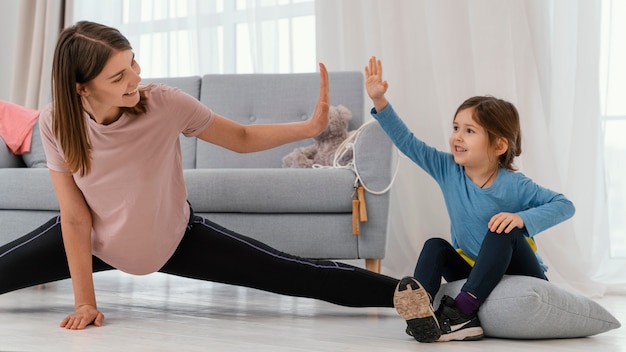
(272, 98)
(37, 156)
(522, 307)
(191, 86)
(292, 190)
(8, 159)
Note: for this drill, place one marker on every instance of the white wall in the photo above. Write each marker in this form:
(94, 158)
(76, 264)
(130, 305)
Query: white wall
(9, 10)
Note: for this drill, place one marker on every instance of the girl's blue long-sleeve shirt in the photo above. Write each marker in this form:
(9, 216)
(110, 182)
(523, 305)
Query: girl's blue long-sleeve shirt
(470, 207)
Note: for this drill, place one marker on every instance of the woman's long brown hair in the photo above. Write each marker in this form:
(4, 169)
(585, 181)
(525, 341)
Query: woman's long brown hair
(81, 53)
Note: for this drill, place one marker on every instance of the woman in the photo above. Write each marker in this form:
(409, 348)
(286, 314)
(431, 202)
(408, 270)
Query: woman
(114, 156)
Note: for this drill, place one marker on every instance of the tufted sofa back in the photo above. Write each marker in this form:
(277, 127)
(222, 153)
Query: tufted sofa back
(262, 98)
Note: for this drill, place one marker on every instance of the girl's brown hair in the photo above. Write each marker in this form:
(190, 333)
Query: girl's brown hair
(501, 120)
(81, 53)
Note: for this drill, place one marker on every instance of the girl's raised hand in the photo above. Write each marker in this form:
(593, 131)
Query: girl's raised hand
(374, 84)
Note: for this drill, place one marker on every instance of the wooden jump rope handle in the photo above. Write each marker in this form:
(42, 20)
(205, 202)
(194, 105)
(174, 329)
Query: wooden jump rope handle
(359, 210)
(362, 207)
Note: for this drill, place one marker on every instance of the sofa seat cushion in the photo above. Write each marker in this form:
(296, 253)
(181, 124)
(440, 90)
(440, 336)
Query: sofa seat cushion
(213, 190)
(522, 307)
(324, 190)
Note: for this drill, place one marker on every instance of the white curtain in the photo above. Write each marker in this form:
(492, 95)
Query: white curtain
(542, 56)
(40, 22)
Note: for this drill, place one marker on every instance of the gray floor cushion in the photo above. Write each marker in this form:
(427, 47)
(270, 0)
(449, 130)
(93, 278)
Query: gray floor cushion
(523, 307)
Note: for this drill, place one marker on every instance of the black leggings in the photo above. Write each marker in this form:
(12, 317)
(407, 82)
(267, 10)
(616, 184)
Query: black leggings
(212, 253)
(499, 254)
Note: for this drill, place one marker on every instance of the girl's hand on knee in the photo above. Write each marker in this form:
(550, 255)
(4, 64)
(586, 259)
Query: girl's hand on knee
(505, 222)
(83, 316)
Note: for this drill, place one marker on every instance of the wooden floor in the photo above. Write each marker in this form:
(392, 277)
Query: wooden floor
(166, 313)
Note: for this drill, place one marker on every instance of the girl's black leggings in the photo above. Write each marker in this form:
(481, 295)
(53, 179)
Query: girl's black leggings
(499, 254)
(212, 253)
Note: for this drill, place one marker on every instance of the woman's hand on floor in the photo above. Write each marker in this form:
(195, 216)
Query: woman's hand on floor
(83, 316)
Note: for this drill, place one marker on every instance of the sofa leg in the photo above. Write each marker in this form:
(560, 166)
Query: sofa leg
(373, 264)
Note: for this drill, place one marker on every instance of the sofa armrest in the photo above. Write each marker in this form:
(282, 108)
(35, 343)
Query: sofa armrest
(373, 161)
(373, 157)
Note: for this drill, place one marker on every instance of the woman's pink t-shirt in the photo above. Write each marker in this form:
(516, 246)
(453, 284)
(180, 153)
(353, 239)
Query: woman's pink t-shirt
(135, 190)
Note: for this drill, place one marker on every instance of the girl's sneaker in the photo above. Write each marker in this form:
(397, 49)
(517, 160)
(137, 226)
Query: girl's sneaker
(413, 303)
(455, 325)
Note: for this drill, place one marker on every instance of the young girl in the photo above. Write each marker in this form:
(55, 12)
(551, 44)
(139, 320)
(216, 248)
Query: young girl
(494, 213)
(114, 156)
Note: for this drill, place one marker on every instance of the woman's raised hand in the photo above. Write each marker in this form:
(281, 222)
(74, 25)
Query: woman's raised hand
(319, 120)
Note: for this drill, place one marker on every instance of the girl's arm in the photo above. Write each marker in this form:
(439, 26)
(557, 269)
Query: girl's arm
(434, 162)
(551, 209)
(76, 229)
(544, 208)
(245, 139)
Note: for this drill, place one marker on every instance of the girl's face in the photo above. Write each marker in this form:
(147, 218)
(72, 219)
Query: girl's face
(469, 142)
(115, 87)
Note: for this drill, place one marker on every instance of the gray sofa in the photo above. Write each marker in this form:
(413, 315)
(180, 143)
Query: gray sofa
(306, 212)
